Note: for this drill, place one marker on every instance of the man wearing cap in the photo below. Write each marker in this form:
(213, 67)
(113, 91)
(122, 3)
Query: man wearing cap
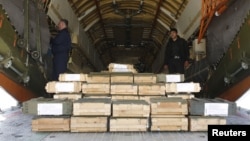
(177, 53)
(60, 47)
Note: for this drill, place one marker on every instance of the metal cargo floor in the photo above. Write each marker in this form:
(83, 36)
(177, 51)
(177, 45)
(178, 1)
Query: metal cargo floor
(16, 126)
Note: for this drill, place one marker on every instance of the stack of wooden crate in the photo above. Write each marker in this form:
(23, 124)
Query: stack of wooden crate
(148, 86)
(50, 114)
(120, 101)
(68, 86)
(53, 114)
(90, 115)
(128, 112)
(169, 114)
(97, 85)
(129, 115)
(204, 112)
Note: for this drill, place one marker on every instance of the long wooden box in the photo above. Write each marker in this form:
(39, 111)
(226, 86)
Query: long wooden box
(73, 77)
(170, 78)
(63, 87)
(169, 124)
(89, 124)
(200, 123)
(47, 106)
(125, 97)
(96, 88)
(168, 107)
(49, 124)
(130, 108)
(96, 77)
(211, 107)
(190, 87)
(123, 89)
(151, 89)
(122, 78)
(120, 66)
(92, 107)
(129, 124)
(70, 96)
(183, 96)
(123, 70)
(144, 78)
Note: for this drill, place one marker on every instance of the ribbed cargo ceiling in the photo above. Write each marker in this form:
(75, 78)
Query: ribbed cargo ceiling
(126, 30)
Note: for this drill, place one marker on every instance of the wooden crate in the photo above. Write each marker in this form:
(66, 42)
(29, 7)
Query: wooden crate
(71, 96)
(170, 78)
(96, 88)
(125, 97)
(183, 96)
(168, 107)
(210, 107)
(96, 77)
(151, 89)
(120, 66)
(122, 78)
(200, 123)
(169, 124)
(183, 87)
(92, 107)
(144, 78)
(63, 87)
(73, 77)
(47, 107)
(122, 70)
(130, 108)
(147, 98)
(128, 124)
(123, 89)
(89, 124)
(116, 67)
(49, 124)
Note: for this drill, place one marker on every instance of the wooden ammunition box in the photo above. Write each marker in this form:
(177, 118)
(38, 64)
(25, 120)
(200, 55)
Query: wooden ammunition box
(123, 89)
(89, 124)
(63, 87)
(127, 78)
(200, 123)
(130, 108)
(144, 78)
(129, 124)
(73, 77)
(151, 89)
(50, 124)
(168, 107)
(169, 124)
(96, 77)
(92, 107)
(96, 88)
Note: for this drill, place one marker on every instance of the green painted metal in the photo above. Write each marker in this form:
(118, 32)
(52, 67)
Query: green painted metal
(230, 70)
(8, 48)
(8, 39)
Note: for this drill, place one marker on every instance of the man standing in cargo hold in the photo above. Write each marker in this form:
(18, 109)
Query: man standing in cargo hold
(177, 53)
(60, 46)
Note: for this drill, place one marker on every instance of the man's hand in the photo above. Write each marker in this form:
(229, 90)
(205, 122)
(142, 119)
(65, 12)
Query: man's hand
(165, 67)
(186, 64)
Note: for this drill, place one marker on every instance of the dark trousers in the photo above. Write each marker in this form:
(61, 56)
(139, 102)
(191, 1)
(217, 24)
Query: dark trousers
(176, 66)
(60, 62)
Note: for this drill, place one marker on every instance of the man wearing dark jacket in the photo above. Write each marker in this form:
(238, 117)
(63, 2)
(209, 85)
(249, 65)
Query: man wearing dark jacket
(177, 53)
(61, 46)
